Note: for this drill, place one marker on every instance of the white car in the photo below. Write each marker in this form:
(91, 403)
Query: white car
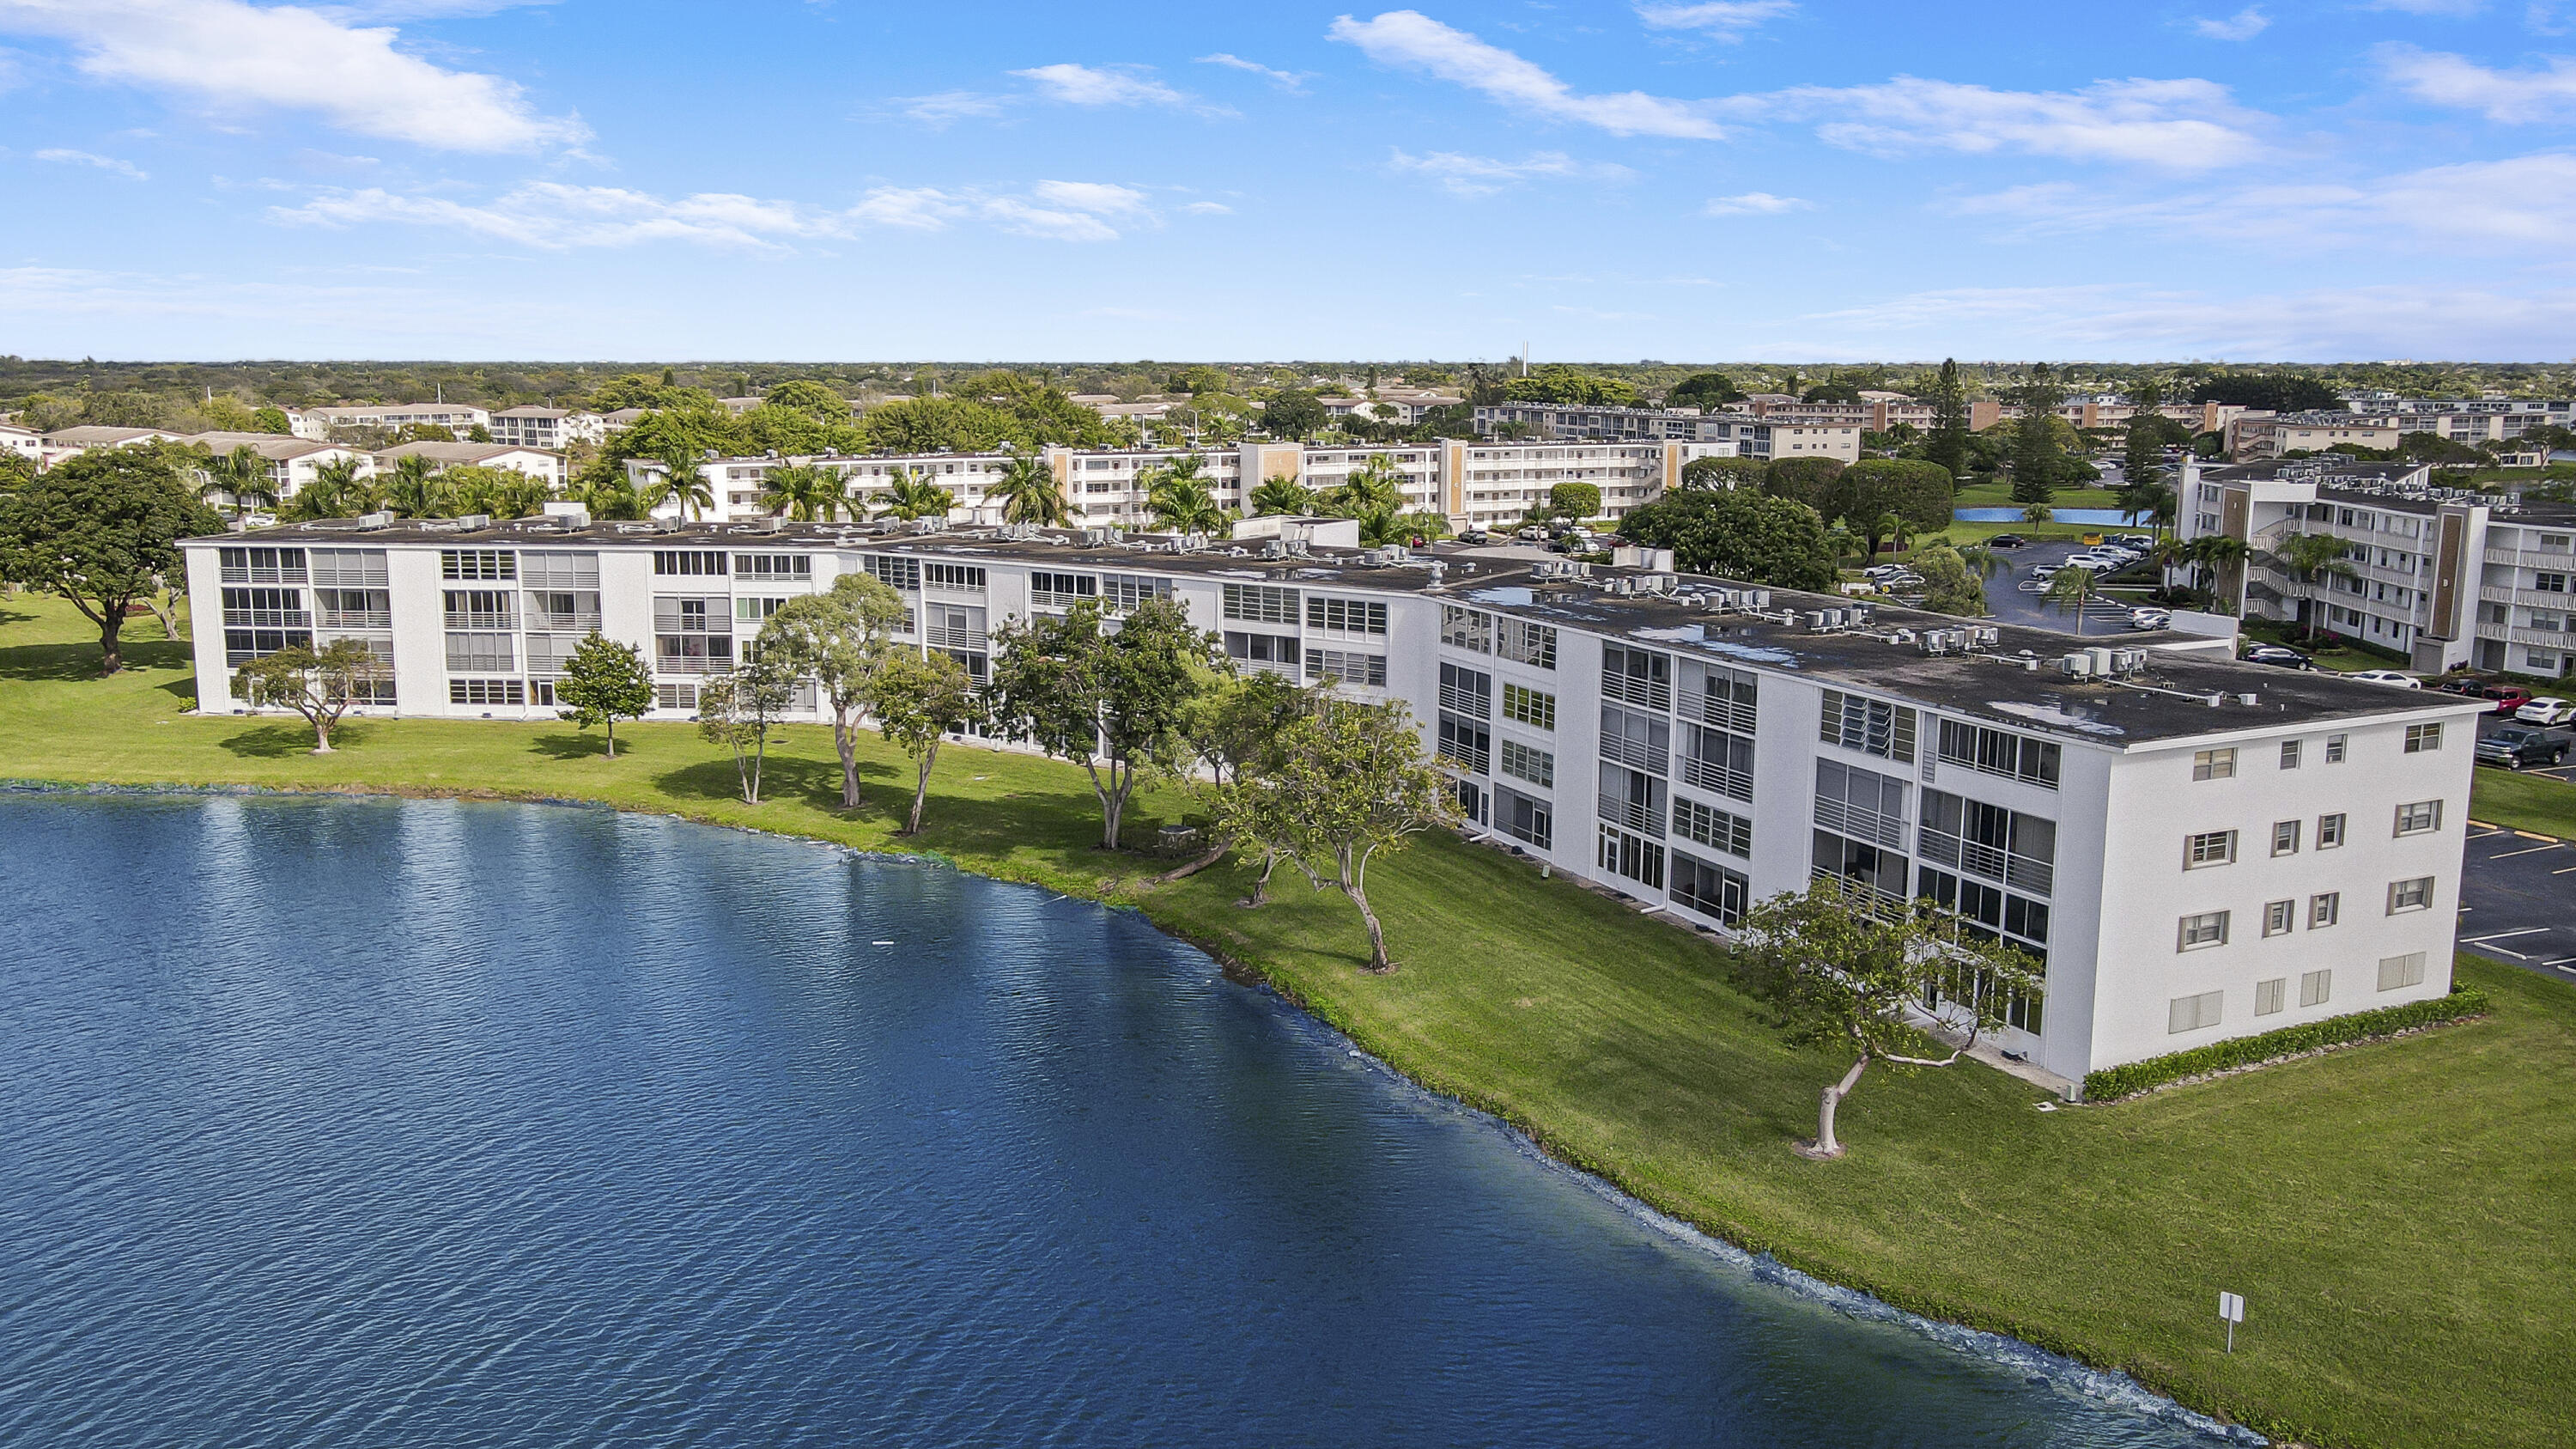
(2547, 710)
(2150, 618)
(2388, 677)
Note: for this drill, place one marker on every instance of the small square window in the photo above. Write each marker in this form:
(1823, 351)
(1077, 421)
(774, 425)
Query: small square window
(2396, 973)
(2213, 765)
(2279, 917)
(2419, 818)
(2269, 996)
(2335, 749)
(2410, 895)
(2316, 988)
(2423, 738)
(2329, 831)
(2206, 929)
(2213, 847)
(2192, 1013)
(2325, 910)
(2289, 754)
(2285, 837)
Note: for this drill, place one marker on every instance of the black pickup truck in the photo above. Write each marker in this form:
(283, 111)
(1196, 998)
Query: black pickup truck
(2516, 748)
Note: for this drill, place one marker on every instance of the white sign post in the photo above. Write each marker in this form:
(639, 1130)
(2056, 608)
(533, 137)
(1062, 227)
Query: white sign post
(2231, 1307)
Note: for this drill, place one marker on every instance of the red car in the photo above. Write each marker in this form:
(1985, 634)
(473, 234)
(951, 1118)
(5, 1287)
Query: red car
(2507, 697)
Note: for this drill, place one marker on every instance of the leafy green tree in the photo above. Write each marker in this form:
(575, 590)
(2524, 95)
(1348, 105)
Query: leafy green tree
(929, 424)
(1357, 779)
(1704, 390)
(101, 531)
(1232, 732)
(1029, 493)
(1575, 500)
(1951, 584)
(1808, 480)
(1840, 968)
(2217, 554)
(495, 492)
(603, 682)
(2073, 588)
(1916, 495)
(1419, 523)
(804, 492)
(1282, 495)
(1197, 379)
(840, 639)
(683, 483)
(2280, 392)
(611, 495)
(270, 420)
(1738, 535)
(1376, 486)
(1116, 703)
(822, 401)
(17, 470)
(2308, 561)
(742, 709)
(2039, 452)
(1558, 383)
(920, 700)
(1293, 413)
(910, 493)
(1834, 390)
(414, 489)
(240, 476)
(1948, 443)
(338, 489)
(319, 685)
(423, 433)
(1722, 473)
(1182, 502)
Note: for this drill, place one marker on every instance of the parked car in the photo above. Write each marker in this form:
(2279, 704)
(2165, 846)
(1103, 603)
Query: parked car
(2388, 677)
(2150, 618)
(2549, 709)
(2468, 684)
(2007, 540)
(2507, 697)
(2516, 748)
(2280, 656)
(2135, 540)
(1475, 536)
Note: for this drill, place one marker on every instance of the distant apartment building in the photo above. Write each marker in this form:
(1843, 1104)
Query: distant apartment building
(291, 461)
(64, 443)
(551, 429)
(1791, 429)
(318, 422)
(2254, 436)
(24, 442)
(537, 463)
(2447, 577)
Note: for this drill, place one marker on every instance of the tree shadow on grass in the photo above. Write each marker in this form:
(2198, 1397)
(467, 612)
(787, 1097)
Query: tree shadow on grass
(577, 747)
(782, 778)
(285, 741)
(75, 662)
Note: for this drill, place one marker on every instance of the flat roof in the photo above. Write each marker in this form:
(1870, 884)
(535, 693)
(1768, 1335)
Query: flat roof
(1993, 684)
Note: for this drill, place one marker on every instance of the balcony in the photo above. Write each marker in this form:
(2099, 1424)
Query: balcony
(2021, 872)
(1638, 815)
(2545, 638)
(1715, 776)
(1473, 704)
(378, 619)
(1859, 824)
(940, 636)
(1728, 713)
(1641, 755)
(268, 619)
(479, 622)
(579, 621)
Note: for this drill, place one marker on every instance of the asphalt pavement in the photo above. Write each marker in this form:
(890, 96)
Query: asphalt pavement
(2013, 594)
(2518, 889)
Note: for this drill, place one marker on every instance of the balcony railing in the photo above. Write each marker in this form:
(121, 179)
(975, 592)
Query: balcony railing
(580, 621)
(1860, 892)
(1859, 824)
(357, 618)
(1474, 704)
(1636, 815)
(1636, 753)
(2021, 872)
(939, 636)
(692, 664)
(267, 619)
(2545, 638)
(1725, 712)
(1711, 775)
(483, 623)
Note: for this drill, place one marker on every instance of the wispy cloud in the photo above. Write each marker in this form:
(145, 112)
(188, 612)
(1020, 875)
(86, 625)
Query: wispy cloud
(234, 56)
(2245, 24)
(126, 169)
(2175, 125)
(2428, 7)
(2513, 97)
(1483, 175)
(1125, 85)
(1413, 40)
(1287, 80)
(1724, 19)
(1754, 203)
(1208, 208)
(553, 216)
(942, 109)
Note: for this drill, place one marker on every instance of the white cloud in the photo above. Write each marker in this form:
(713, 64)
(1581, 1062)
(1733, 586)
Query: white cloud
(1208, 208)
(2176, 125)
(553, 216)
(1724, 19)
(943, 108)
(1410, 38)
(230, 55)
(1484, 175)
(1286, 80)
(2510, 96)
(1085, 85)
(1754, 203)
(90, 158)
(2245, 24)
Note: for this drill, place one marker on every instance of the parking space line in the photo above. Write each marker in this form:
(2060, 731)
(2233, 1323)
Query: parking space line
(2527, 835)
(2526, 850)
(2564, 870)
(2502, 935)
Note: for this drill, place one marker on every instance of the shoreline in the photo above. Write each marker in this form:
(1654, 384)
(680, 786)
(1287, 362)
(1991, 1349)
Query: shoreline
(2110, 1386)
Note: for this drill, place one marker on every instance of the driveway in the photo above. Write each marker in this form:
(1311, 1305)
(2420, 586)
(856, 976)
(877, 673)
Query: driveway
(2518, 901)
(2012, 594)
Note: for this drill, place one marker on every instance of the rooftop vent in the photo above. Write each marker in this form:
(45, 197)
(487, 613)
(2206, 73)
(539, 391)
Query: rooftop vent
(469, 522)
(2078, 665)
(370, 522)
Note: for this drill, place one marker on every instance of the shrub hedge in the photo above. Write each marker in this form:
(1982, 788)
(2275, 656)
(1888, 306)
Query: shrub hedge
(2112, 1083)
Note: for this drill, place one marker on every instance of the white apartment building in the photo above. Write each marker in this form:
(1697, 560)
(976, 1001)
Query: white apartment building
(27, 443)
(537, 463)
(63, 443)
(2450, 577)
(317, 422)
(548, 429)
(2197, 848)
(291, 461)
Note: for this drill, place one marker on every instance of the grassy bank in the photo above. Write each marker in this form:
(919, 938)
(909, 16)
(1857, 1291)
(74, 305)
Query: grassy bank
(2395, 1213)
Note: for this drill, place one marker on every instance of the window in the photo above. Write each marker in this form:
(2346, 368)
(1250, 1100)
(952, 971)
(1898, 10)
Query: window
(2206, 929)
(753, 610)
(2329, 831)
(2549, 583)
(1468, 629)
(2000, 752)
(668, 562)
(2325, 910)
(1716, 760)
(2419, 818)
(1466, 744)
(1524, 763)
(1260, 648)
(1728, 698)
(2396, 973)
(1350, 616)
(1347, 666)
(2213, 764)
(2423, 738)
(1713, 828)
(773, 565)
(2335, 749)
(1525, 643)
(364, 568)
(262, 565)
(2210, 847)
(1632, 798)
(2410, 895)
(1870, 726)
(903, 575)
(952, 626)
(493, 563)
(2289, 754)
(2270, 996)
(1532, 822)
(1632, 856)
(486, 691)
(1467, 691)
(2193, 1013)
(1063, 591)
(1532, 707)
(1711, 890)
(1636, 738)
(675, 696)
(2285, 837)
(1860, 803)
(1260, 605)
(955, 576)
(1637, 676)
(2279, 917)
(2316, 988)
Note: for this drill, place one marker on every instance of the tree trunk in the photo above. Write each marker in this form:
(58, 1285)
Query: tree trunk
(1194, 867)
(612, 737)
(321, 736)
(1826, 1145)
(110, 626)
(1113, 802)
(1261, 887)
(759, 756)
(921, 788)
(1377, 934)
(844, 739)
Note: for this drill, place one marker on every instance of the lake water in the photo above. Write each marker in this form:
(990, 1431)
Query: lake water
(369, 1123)
(2104, 517)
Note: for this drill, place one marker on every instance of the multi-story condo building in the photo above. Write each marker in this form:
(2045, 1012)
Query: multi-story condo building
(1768, 429)
(291, 461)
(2253, 436)
(71, 442)
(26, 443)
(2450, 577)
(537, 463)
(318, 422)
(2196, 848)
(552, 429)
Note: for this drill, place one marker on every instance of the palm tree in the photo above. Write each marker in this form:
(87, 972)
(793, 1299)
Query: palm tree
(2215, 553)
(614, 496)
(1182, 503)
(2072, 588)
(804, 492)
(338, 490)
(2309, 559)
(2138, 499)
(683, 483)
(242, 476)
(1375, 486)
(2037, 514)
(415, 490)
(1029, 493)
(1282, 495)
(909, 495)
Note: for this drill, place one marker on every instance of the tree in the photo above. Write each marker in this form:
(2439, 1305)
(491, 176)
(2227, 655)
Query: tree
(1738, 535)
(1196, 379)
(1029, 493)
(1575, 500)
(1282, 495)
(2072, 588)
(921, 699)
(1233, 731)
(1182, 501)
(2279, 392)
(603, 682)
(1293, 413)
(1358, 781)
(684, 484)
(739, 710)
(804, 492)
(2216, 553)
(270, 420)
(2308, 560)
(840, 639)
(1704, 390)
(415, 490)
(495, 492)
(1558, 383)
(1808, 480)
(321, 686)
(820, 400)
(1116, 703)
(1375, 486)
(1837, 968)
(1866, 494)
(1952, 582)
(1834, 390)
(101, 530)
(1948, 443)
(2039, 453)
(910, 494)
(240, 476)
(338, 489)
(1722, 473)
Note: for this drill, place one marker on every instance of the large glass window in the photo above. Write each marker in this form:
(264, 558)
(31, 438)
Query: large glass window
(1637, 676)
(1711, 890)
(2000, 752)
(1256, 603)
(1871, 726)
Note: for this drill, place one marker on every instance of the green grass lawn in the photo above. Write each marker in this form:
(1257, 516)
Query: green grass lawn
(1999, 495)
(2525, 802)
(2401, 1216)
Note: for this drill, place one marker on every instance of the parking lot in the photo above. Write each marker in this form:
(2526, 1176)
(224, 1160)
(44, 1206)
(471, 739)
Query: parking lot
(2013, 594)
(2515, 901)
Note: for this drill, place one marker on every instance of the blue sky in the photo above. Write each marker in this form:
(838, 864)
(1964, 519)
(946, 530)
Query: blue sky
(1776, 179)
